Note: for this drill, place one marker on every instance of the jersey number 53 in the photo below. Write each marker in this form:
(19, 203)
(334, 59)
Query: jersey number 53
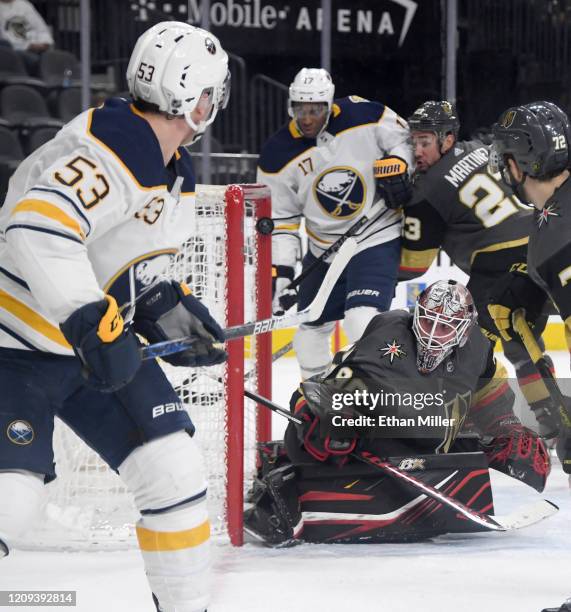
(92, 186)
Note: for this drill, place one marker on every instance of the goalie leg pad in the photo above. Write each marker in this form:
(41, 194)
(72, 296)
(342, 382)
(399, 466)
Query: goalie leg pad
(356, 321)
(361, 504)
(311, 345)
(21, 494)
(276, 515)
(167, 478)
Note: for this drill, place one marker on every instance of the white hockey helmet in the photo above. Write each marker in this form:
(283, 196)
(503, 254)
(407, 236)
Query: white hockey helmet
(311, 85)
(173, 64)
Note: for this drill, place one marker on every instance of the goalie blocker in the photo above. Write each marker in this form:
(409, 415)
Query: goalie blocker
(309, 502)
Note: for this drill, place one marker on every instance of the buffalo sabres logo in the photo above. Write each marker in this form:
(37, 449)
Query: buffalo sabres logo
(340, 191)
(148, 270)
(20, 433)
(210, 46)
(447, 107)
(508, 119)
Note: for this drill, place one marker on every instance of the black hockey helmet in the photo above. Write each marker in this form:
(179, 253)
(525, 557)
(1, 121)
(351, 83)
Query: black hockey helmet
(435, 116)
(536, 135)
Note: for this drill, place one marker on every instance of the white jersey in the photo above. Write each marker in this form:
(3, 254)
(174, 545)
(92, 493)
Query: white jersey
(329, 180)
(22, 25)
(82, 211)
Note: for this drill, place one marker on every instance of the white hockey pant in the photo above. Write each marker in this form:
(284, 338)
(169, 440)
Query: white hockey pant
(21, 496)
(167, 478)
(311, 343)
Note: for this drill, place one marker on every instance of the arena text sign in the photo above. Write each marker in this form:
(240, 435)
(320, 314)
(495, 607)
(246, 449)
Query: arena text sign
(393, 19)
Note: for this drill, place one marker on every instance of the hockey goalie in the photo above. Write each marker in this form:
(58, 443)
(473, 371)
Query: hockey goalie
(311, 487)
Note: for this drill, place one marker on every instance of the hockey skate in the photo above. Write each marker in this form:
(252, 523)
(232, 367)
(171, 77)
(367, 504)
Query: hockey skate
(565, 607)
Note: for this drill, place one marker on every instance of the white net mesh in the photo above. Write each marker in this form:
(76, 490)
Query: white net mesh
(87, 505)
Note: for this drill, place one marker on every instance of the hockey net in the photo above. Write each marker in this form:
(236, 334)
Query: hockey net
(228, 266)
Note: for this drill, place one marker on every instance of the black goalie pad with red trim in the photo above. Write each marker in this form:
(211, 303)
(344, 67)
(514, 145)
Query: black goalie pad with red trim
(356, 503)
(363, 505)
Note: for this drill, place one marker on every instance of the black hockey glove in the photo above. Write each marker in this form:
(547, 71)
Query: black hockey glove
(109, 353)
(519, 453)
(393, 181)
(169, 311)
(283, 298)
(309, 432)
(547, 415)
(512, 291)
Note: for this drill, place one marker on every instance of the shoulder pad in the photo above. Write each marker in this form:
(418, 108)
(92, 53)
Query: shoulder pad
(122, 130)
(354, 111)
(281, 148)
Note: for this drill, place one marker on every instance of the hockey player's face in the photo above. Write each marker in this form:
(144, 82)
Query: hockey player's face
(310, 118)
(426, 150)
(204, 106)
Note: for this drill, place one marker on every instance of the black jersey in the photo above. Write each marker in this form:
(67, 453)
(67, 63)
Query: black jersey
(460, 207)
(549, 251)
(470, 379)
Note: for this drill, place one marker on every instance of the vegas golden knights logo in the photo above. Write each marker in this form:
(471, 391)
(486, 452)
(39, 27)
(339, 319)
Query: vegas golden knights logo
(456, 411)
(447, 107)
(508, 119)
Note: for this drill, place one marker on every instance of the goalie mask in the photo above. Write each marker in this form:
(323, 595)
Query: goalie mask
(175, 66)
(443, 317)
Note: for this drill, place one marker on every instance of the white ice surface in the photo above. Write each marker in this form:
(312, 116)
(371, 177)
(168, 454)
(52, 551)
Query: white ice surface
(521, 571)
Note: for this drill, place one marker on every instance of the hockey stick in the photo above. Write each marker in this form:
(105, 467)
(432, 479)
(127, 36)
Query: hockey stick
(536, 354)
(335, 247)
(524, 517)
(352, 231)
(311, 313)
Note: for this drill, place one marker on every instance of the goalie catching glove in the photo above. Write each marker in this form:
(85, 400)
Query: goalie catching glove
(519, 453)
(108, 352)
(512, 291)
(393, 181)
(169, 311)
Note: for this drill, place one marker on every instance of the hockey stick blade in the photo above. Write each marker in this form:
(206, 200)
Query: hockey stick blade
(311, 313)
(523, 517)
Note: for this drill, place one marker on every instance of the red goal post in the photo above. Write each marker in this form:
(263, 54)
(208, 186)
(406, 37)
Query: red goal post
(237, 197)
